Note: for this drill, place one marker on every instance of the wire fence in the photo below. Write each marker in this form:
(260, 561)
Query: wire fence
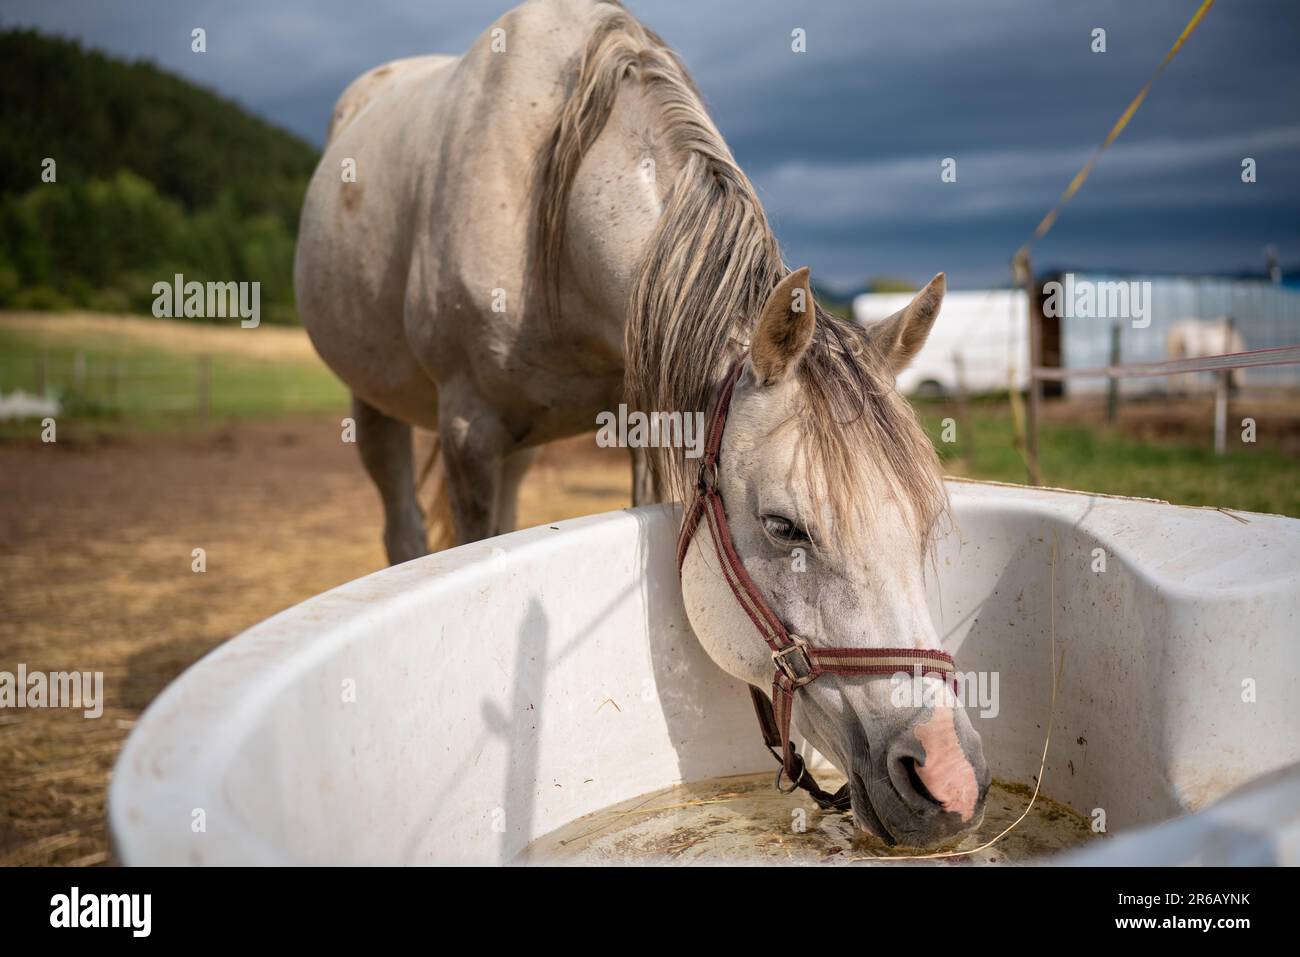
(1221, 365)
(1254, 358)
(201, 386)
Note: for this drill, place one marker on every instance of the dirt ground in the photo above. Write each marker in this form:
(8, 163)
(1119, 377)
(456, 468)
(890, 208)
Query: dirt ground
(96, 539)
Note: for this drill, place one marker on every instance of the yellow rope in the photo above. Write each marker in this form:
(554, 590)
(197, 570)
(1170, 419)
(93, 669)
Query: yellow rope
(1115, 130)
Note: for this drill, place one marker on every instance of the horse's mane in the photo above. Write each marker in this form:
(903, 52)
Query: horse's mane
(708, 270)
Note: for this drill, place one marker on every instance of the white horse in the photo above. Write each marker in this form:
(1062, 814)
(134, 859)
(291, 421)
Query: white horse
(551, 224)
(1189, 338)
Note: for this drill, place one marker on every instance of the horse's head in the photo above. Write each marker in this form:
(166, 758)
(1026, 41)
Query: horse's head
(831, 489)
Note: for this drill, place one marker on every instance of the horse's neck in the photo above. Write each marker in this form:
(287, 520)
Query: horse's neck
(617, 198)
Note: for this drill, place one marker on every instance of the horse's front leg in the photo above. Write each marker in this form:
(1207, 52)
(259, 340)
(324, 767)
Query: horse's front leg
(643, 490)
(513, 470)
(385, 447)
(475, 444)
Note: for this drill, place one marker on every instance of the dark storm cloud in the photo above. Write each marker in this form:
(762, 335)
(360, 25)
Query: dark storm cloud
(844, 141)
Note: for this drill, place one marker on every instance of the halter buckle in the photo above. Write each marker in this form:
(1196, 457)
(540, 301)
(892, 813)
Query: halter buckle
(783, 664)
(707, 479)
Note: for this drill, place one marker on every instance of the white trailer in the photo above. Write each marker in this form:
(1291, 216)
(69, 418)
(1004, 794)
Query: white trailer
(986, 332)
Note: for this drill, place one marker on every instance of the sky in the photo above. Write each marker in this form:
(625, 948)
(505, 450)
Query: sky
(845, 141)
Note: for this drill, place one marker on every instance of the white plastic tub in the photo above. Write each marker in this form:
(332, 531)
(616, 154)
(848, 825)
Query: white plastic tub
(456, 708)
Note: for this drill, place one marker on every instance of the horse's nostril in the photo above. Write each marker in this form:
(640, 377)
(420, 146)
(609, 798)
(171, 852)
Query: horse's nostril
(914, 780)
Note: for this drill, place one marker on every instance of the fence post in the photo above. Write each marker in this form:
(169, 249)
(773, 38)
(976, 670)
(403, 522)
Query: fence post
(1221, 412)
(205, 386)
(1222, 392)
(1024, 271)
(966, 442)
(1112, 382)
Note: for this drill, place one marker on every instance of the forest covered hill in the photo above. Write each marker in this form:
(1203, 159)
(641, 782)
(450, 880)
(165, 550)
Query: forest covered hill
(153, 176)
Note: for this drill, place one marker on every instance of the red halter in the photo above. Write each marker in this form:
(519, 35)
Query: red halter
(796, 661)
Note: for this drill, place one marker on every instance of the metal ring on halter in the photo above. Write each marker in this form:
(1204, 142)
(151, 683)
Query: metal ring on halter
(803, 772)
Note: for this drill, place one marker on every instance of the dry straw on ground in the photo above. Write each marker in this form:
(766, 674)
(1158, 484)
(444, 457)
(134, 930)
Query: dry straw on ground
(95, 543)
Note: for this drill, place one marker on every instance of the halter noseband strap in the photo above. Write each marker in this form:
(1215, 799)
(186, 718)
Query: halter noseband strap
(796, 662)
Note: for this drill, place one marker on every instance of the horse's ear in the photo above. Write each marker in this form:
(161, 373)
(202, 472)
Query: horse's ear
(784, 328)
(899, 338)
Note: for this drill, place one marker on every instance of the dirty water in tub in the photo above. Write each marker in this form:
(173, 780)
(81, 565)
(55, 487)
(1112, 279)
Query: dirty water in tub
(743, 819)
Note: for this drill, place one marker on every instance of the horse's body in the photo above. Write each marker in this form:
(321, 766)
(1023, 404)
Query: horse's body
(1191, 338)
(551, 224)
(413, 281)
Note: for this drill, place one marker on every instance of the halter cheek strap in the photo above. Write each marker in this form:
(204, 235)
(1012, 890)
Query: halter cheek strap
(795, 661)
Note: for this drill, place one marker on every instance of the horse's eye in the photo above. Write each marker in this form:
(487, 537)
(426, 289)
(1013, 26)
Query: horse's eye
(783, 529)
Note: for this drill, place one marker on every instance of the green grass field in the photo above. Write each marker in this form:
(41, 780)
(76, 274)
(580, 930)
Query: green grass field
(107, 386)
(1097, 458)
